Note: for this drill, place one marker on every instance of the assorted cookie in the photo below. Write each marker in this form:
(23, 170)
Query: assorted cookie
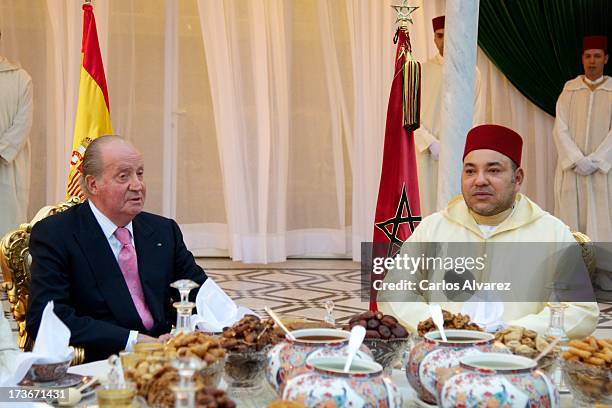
(522, 341)
(589, 366)
(451, 321)
(250, 334)
(154, 379)
(592, 351)
(196, 344)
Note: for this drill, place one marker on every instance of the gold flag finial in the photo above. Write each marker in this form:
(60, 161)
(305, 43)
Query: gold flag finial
(404, 13)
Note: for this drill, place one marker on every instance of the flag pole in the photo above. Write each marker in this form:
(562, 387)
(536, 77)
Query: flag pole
(403, 14)
(398, 210)
(92, 117)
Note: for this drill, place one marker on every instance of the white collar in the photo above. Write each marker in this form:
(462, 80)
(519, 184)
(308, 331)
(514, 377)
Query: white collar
(108, 227)
(595, 82)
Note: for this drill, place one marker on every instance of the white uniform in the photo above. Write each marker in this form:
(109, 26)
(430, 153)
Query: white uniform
(8, 350)
(583, 128)
(15, 124)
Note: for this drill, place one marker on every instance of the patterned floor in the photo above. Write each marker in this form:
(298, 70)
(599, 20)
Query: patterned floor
(294, 288)
(301, 287)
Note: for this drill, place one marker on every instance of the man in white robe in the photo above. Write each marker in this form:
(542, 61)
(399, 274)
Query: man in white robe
(427, 137)
(583, 136)
(8, 348)
(491, 211)
(15, 124)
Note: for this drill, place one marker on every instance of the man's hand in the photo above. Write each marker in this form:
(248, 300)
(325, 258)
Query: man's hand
(143, 338)
(585, 167)
(434, 149)
(165, 337)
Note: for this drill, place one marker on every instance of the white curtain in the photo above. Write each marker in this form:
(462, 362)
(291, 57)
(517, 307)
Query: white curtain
(505, 105)
(261, 121)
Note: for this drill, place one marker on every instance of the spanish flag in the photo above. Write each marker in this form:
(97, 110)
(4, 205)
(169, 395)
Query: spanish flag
(93, 111)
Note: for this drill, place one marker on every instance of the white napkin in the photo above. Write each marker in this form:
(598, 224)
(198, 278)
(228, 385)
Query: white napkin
(487, 315)
(215, 310)
(51, 347)
(52, 339)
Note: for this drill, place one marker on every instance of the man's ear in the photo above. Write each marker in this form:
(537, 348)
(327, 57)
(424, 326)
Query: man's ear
(92, 184)
(519, 176)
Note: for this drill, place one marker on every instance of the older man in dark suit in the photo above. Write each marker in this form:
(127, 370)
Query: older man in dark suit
(105, 263)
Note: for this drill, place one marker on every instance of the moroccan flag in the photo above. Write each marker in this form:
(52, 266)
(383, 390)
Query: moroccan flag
(398, 210)
(93, 112)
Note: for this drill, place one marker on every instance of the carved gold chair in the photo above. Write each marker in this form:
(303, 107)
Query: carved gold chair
(588, 251)
(15, 262)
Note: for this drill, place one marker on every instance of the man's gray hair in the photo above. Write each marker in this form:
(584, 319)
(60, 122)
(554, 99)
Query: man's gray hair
(514, 169)
(92, 160)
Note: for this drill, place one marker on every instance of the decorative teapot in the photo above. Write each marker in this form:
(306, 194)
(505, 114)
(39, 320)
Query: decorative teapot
(289, 357)
(432, 353)
(495, 379)
(325, 384)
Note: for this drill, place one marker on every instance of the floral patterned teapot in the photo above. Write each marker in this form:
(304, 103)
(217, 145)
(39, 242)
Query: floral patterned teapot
(289, 357)
(326, 385)
(432, 353)
(495, 379)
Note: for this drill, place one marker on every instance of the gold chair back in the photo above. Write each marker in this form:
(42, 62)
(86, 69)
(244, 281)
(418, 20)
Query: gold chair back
(15, 262)
(588, 251)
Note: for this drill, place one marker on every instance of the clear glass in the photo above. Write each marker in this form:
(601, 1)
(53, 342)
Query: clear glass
(245, 372)
(115, 392)
(184, 308)
(587, 383)
(556, 328)
(184, 391)
(115, 397)
(329, 316)
(183, 317)
(115, 375)
(389, 353)
(184, 286)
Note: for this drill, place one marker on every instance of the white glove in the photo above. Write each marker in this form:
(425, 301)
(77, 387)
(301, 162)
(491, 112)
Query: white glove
(434, 149)
(585, 167)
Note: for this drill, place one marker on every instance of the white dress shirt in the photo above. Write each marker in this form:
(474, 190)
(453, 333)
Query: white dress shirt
(109, 228)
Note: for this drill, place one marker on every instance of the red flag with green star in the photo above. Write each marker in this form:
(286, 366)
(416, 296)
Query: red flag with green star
(398, 209)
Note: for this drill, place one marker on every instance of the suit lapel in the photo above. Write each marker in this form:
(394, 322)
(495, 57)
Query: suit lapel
(149, 266)
(105, 270)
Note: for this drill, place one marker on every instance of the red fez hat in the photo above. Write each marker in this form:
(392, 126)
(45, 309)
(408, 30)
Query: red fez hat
(595, 42)
(438, 23)
(495, 137)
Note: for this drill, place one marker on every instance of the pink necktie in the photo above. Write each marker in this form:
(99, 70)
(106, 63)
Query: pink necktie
(129, 267)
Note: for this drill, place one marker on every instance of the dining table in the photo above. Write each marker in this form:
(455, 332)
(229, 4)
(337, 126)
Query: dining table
(261, 397)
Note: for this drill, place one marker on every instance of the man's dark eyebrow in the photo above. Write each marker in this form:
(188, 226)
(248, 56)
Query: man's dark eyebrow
(489, 164)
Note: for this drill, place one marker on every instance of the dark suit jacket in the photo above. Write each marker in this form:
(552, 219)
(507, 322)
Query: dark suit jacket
(73, 265)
